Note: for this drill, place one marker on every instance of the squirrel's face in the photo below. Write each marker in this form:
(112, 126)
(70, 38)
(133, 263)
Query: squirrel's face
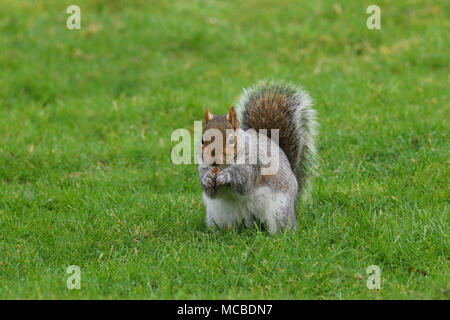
(219, 139)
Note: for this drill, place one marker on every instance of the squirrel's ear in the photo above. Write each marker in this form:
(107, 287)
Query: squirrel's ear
(208, 115)
(232, 117)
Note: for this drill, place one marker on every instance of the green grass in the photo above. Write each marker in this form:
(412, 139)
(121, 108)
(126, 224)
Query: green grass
(85, 171)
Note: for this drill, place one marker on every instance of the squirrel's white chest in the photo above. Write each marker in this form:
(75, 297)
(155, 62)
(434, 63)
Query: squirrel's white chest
(231, 209)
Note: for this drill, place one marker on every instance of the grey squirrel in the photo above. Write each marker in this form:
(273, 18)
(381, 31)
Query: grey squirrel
(240, 192)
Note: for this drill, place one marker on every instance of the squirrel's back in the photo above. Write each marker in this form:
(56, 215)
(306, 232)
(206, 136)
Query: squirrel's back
(283, 106)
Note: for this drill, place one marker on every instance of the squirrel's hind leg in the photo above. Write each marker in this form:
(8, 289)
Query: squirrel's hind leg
(283, 216)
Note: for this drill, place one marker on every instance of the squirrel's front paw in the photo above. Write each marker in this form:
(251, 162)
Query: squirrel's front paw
(223, 178)
(209, 180)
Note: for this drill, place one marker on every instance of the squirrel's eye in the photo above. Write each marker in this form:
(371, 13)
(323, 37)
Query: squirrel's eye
(231, 140)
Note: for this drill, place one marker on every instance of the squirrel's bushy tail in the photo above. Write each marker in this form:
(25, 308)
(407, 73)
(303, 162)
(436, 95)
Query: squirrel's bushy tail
(283, 106)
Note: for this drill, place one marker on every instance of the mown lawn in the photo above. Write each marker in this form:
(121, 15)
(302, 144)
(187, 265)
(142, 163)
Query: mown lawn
(86, 176)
